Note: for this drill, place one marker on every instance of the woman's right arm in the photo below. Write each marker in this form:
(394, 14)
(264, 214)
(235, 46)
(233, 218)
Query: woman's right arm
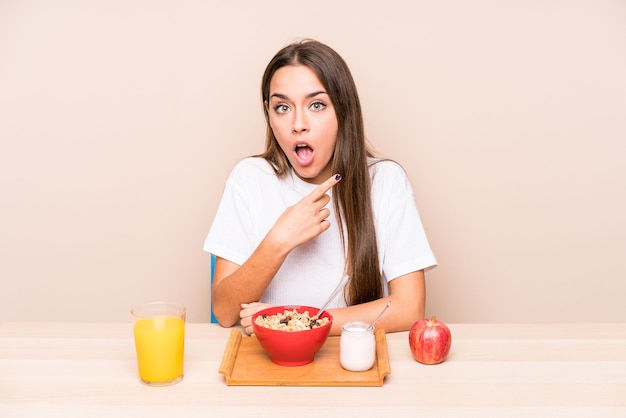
(234, 285)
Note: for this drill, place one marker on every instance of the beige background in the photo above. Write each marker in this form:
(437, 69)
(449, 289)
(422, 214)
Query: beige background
(120, 120)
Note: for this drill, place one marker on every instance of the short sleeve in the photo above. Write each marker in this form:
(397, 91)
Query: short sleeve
(402, 242)
(230, 235)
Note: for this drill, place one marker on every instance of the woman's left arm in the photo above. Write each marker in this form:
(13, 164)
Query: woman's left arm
(407, 294)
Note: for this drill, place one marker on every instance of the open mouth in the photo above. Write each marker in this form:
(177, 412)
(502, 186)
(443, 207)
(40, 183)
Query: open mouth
(304, 154)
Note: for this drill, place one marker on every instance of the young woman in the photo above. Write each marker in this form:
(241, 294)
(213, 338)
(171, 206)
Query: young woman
(317, 205)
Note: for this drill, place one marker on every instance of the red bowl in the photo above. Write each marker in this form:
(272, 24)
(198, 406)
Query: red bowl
(291, 348)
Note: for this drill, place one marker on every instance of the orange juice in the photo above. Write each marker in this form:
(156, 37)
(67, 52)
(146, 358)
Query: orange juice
(160, 345)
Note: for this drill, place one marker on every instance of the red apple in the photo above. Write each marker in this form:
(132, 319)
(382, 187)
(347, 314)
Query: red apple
(430, 341)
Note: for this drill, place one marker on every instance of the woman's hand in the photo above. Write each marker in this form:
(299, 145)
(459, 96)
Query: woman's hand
(305, 220)
(297, 225)
(247, 310)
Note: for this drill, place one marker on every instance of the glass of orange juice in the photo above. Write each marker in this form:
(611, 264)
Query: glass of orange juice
(159, 329)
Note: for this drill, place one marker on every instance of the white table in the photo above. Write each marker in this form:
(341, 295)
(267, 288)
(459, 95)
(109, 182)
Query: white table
(89, 370)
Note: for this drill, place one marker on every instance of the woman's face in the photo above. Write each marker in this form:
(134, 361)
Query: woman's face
(303, 120)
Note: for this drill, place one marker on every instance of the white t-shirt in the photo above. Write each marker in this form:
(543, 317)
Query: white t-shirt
(254, 198)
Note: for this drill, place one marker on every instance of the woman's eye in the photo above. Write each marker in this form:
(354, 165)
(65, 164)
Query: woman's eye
(317, 106)
(281, 108)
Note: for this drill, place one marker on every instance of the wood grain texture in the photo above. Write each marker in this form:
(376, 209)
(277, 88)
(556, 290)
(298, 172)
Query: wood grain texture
(72, 370)
(245, 363)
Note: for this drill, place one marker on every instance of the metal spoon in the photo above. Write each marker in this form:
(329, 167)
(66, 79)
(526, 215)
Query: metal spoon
(378, 317)
(340, 286)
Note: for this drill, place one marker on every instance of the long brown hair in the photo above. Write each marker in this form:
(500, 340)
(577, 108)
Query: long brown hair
(352, 195)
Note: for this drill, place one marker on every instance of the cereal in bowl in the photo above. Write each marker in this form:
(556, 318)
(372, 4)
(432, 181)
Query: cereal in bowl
(290, 321)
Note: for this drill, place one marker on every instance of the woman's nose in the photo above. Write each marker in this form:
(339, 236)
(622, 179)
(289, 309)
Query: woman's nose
(300, 122)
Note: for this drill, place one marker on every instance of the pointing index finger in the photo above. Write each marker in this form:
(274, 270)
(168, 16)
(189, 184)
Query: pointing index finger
(326, 186)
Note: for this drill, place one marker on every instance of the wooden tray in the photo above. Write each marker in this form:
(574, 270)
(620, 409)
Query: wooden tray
(245, 363)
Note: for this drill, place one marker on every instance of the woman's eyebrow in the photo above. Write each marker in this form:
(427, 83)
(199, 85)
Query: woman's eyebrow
(315, 93)
(280, 96)
(308, 96)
